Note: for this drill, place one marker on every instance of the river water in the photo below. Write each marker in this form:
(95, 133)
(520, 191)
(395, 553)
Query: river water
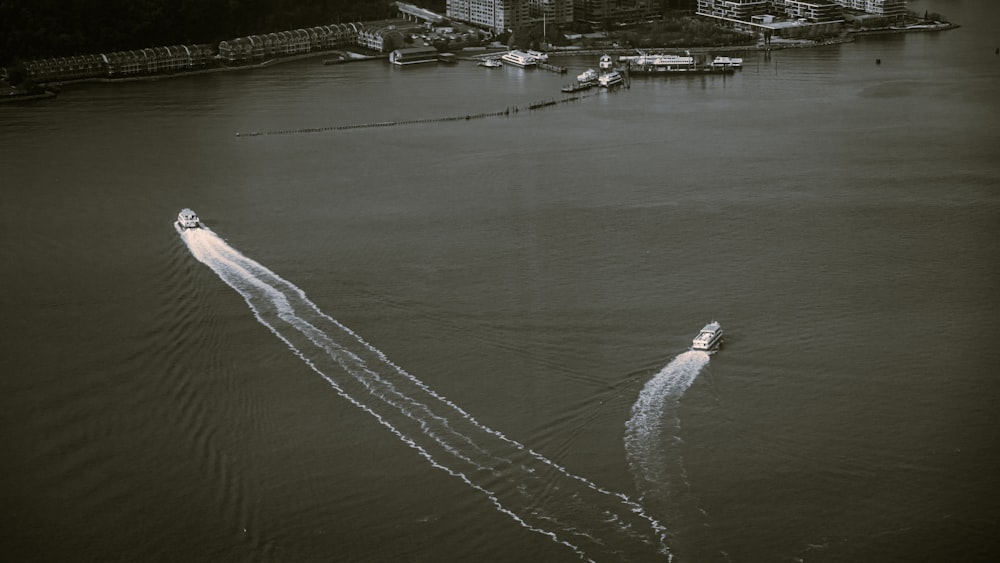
(467, 340)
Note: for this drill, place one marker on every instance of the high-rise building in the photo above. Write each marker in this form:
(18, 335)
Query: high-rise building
(603, 11)
(494, 15)
(889, 8)
(552, 11)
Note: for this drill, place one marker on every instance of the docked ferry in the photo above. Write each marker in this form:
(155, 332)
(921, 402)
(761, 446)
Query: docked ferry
(709, 339)
(188, 219)
(519, 58)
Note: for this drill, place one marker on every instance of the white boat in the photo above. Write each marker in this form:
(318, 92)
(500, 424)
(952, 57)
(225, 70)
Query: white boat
(188, 219)
(709, 339)
(519, 58)
(659, 63)
(538, 56)
(491, 63)
(727, 62)
(606, 63)
(609, 79)
(588, 76)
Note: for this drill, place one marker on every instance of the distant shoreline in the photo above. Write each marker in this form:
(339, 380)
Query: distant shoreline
(50, 89)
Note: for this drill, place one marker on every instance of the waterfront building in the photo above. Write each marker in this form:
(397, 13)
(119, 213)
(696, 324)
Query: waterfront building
(892, 9)
(183, 58)
(413, 55)
(777, 18)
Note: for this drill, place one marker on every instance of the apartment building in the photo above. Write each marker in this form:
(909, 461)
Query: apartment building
(888, 8)
(599, 12)
(494, 15)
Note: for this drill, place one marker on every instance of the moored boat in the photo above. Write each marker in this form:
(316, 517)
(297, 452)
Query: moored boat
(188, 219)
(519, 58)
(709, 339)
(588, 76)
(605, 63)
(610, 79)
(727, 62)
(492, 62)
(538, 55)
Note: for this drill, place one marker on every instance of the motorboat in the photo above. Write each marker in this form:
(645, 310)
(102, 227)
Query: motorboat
(188, 219)
(610, 79)
(492, 62)
(606, 63)
(518, 58)
(588, 76)
(727, 62)
(709, 339)
(538, 55)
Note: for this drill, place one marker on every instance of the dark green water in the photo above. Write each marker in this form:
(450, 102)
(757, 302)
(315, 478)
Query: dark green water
(536, 274)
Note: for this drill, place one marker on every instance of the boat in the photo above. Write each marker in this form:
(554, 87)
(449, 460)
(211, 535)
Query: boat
(588, 76)
(188, 219)
(538, 56)
(605, 63)
(709, 339)
(659, 63)
(578, 86)
(519, 58)
(727, 62)
(492, 62)
(610, 79)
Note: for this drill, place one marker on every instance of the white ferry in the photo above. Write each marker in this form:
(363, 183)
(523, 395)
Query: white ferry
(727, 62)
(709, 339)
(659, 63)
(538, 56)
(188, 219)
(609, 79)
(519, 58)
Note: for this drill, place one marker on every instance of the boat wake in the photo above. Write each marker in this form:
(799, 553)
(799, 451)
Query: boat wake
(535, 492)
(655, 464)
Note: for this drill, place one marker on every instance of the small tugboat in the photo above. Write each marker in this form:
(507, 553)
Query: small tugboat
(584, 81)
(188, 219)
(588, 76)
(709, 339)
(611, 79)
(538, 56)
(727, 62)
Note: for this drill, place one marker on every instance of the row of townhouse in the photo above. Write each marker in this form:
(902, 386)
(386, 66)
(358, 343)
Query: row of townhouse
(285, 43)
(182, 58)
(152, 60)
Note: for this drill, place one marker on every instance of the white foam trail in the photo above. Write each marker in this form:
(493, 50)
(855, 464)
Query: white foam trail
(538, 494)
(657, 402)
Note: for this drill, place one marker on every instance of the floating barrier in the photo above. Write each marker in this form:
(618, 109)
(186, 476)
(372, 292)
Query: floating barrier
(468, 117)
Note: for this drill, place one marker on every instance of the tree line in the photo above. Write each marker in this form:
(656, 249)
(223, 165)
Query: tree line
(53, 28)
